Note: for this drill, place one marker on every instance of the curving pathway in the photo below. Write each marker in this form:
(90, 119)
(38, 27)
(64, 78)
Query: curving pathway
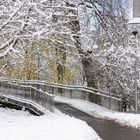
(107, 130)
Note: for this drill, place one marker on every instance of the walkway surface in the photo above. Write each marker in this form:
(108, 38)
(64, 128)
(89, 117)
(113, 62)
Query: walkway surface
(107, 130)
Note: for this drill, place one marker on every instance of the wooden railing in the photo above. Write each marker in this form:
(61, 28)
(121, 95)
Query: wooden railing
(26, 96)
(76, 92)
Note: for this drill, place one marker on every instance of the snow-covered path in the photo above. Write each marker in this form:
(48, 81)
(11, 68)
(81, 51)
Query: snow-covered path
(20, 125)
(107, 130)
(125, 119)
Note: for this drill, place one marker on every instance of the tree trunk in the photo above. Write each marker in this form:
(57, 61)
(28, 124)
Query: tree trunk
(88, 67)
(87, 63)
(61, 56)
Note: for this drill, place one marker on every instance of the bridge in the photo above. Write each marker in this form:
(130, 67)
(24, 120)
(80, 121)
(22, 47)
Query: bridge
(38, 96)
(26, 97)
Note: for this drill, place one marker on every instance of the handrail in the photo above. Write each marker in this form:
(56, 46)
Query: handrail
(83, 88)
(77, 92)
(35, 99)
(42, 81)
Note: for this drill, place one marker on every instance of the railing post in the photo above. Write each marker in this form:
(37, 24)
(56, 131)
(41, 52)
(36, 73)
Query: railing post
(52, 90)
(121, 107)
(70, 93)
(109, 101)
(84, 95)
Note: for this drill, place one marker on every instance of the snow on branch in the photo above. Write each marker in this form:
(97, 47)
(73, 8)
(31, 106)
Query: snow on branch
(6, 23)
(10, 48)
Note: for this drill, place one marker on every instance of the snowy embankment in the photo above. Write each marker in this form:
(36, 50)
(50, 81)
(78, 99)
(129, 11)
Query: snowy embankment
(125, 119)
(20, 125)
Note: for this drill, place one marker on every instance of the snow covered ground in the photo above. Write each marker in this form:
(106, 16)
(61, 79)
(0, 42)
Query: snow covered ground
(132, 120)
(20, 125)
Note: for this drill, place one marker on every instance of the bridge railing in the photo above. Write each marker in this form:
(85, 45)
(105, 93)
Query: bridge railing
(28, 93)
(76, 92)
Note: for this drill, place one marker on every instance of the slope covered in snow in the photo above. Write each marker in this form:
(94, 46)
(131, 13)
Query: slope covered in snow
(20, 125)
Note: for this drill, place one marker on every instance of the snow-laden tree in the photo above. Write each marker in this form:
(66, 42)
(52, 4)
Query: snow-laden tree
(22, 20)
(91, 26)
(112, 59)
(100, 24)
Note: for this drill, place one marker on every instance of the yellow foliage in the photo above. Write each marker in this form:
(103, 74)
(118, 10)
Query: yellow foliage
(27, 65)
(28, 72)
